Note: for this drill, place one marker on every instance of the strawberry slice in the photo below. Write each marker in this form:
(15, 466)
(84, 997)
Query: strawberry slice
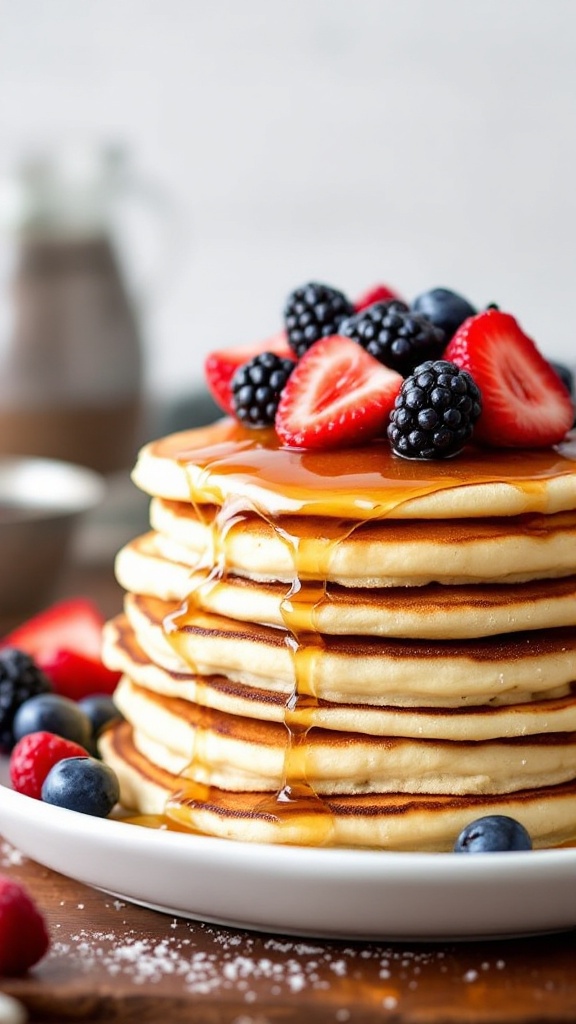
(220, 366)
(65, 642)
(377, 293)
(337, 395)
(524, 403)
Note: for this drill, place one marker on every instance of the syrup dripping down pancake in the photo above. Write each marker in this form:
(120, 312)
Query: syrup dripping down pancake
(373, 554)
(506, 669)
(387, 822)
(435, 611)
(474, 722)
(237, 753)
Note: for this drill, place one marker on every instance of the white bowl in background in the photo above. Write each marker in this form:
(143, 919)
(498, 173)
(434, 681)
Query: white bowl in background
(41, 503)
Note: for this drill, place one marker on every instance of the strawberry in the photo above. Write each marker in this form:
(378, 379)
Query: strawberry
(33, 757)
(524, 403)
(337, 395)
(24, 936)
(220, 366)
(378, 293)
(65, 642)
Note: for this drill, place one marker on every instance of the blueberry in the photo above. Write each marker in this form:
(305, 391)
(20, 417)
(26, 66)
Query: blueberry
(49, 712)
(100, 710)
(493, 833)
(565, 374)
(444, 308)
(82, 784)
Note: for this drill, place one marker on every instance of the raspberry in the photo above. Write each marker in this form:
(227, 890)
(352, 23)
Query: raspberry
(24, 936)
(33, 757)
(312, 312)
(20, 679)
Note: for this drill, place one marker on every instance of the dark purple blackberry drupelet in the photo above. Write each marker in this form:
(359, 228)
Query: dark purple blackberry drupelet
(312, 312)
(395, 336)
(435, 412)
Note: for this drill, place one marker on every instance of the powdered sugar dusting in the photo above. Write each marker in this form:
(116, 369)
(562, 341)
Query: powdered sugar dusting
(9, 856)
(210, 961)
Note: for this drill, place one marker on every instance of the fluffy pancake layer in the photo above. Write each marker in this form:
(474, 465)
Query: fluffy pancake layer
(374, 554)
(387, 822)
(346, 647)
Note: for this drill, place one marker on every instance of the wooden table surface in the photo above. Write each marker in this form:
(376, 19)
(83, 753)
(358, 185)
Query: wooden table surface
(113, 961)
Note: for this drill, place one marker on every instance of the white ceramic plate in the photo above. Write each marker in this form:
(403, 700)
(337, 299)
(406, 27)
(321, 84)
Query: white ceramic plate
(350, 894)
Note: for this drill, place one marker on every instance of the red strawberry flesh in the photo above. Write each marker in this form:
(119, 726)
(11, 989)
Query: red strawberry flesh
(338, 395)
(524, 403)
(65, 641)
(377, 293)
(220, 366)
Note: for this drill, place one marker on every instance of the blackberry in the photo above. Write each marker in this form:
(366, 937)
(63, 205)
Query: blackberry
(435, 412)
(20, 678)
(395, 336)
(312, 312)
(257, 386)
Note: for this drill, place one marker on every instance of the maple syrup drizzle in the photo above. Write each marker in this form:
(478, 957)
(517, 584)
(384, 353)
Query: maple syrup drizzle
(364, 483)
(329, 484)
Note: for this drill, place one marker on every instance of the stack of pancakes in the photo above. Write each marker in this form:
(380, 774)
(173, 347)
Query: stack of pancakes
(345, 647)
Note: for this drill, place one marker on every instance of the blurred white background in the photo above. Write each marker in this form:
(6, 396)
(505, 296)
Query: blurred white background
(352, 141)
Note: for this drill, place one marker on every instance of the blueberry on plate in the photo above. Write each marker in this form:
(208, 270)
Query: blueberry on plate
(49, 712)
(491, 834)
(444, 308)
(100, 710)
(82, 784)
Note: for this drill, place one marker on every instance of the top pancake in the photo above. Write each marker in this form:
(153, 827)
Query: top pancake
(226, 463)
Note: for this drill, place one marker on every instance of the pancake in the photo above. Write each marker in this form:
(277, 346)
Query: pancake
(237, 753)
(228, 463)
(387, 822)
(475, 722)
(388, 553)
(506, 669)
(345, 647)
(431, 612)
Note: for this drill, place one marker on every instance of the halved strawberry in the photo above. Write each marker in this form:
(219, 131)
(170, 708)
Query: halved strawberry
(65, 641)
(377, 293)
(220, 366)
(337, 395)
(524, 403)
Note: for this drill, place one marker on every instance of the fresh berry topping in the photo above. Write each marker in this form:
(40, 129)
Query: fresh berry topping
(65, 642)
(33, 757)
(20, 679)
(435, 412)
(49, 712)
(100, 710)
(444, 308)
(378, 293)
(492, 834)
(82, 784)
(566, 376)
(337, 395)
(220, 366)
(394, 336)
(257, 386)
(313, 312)
(524, 403)
(24, 936)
